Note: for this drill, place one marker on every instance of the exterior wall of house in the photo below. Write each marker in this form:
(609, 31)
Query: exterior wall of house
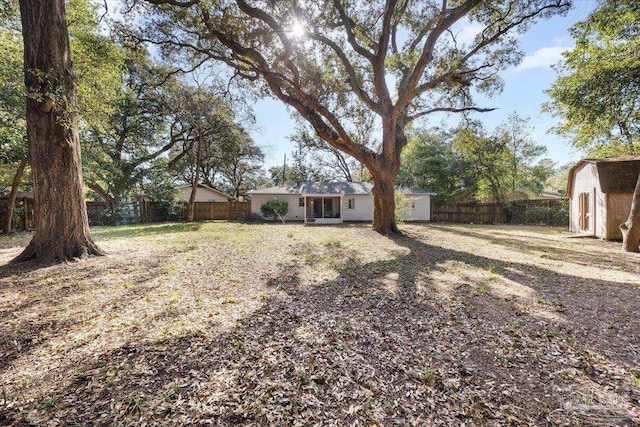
(296, 212)
(362, 209)
(202, 195)
(585, 180)
(618, 207)
(421, 210)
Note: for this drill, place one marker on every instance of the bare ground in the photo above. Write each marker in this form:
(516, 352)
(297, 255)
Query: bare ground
(238, 324)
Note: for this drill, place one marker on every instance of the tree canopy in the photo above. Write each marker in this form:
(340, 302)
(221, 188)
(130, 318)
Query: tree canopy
(337, 62)
(598, 91)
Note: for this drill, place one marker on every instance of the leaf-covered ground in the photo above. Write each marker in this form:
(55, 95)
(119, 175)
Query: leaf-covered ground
(242, 324)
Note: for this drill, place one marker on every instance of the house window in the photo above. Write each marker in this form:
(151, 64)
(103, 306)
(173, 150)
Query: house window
(351, 203)
(301, 202)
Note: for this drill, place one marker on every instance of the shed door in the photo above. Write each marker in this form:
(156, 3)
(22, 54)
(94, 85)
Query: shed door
(584, 211)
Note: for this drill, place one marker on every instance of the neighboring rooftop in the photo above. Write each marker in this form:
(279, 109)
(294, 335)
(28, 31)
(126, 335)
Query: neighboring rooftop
(328, 187)
(207, 187)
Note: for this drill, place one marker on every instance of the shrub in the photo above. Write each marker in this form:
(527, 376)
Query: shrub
(275, 209)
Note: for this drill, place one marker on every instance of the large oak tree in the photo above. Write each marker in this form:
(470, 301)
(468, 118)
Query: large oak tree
(60, 215)
(398, 60)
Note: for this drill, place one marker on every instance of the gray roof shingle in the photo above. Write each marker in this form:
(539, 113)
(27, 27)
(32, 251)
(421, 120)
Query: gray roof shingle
(328, 187)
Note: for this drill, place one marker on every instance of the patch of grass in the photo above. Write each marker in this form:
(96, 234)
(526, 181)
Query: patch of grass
(47, 403)
(483, 288)
(134, 402)
(428, 375)
(124, 231)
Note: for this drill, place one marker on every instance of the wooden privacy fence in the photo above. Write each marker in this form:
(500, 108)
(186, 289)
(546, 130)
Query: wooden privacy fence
(221, 210)
(548, 212)
(477, 213)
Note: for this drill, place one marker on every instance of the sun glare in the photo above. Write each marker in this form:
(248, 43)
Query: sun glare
(297, 30)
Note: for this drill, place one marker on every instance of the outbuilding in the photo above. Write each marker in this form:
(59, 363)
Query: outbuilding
(600, 193)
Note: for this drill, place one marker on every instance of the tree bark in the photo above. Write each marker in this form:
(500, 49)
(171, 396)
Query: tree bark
(384, 203)
(60, 212)
(196, 177)
(631, 228)
(11, 203)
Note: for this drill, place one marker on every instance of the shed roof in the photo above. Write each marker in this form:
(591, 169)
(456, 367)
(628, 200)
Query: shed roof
(616, 174)
(329, 187)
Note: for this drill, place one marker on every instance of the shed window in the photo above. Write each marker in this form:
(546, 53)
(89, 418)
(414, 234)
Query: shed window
(351, 203)
(301, 202)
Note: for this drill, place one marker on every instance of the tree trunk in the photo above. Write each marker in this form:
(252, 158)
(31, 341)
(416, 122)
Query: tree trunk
(11, 203)
(384, 203)
(60, 212)
(631, 228)
(196, 177)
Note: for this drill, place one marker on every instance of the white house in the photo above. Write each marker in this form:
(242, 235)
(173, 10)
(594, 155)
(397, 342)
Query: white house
(203, 194)
(600, 193)
(335, 202)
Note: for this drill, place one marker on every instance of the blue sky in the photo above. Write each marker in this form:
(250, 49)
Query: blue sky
(523, 92)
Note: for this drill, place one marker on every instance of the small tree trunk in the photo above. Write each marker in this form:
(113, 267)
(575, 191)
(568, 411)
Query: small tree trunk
(60, 212)
(631, 228)
(11, 203)
(196, 178)
(384, 204)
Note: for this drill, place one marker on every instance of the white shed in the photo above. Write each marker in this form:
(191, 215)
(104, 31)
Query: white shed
(336, 201)
(600, 193)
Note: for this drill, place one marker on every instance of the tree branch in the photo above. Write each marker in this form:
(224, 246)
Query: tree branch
(449, 110)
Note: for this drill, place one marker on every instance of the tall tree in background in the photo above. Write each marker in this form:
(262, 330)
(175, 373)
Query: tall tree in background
(60, 213)
(488, 158)
(597, 94)
(123, 145)
(430, 163)
(522, 149)
(504, 162)
(13, 143)
(333, 61)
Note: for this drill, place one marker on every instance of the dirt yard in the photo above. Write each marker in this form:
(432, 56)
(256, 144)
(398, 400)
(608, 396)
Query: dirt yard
(250, 324)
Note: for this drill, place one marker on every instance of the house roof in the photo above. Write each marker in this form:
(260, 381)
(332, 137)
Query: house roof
(616, 174)
(207, 187)
(328, 187)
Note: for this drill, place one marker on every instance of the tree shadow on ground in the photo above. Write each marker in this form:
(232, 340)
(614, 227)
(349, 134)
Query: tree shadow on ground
(426, 336)
(551, 248)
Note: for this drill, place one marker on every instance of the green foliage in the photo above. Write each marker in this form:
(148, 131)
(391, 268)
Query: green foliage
(13, 134)
(559, 179)
(275, 209)
(403, 205)
(597, 92)
(120, 150)
(503, 162)
(97, 61)
(430, 163)
(160, 187)
(206, 133)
